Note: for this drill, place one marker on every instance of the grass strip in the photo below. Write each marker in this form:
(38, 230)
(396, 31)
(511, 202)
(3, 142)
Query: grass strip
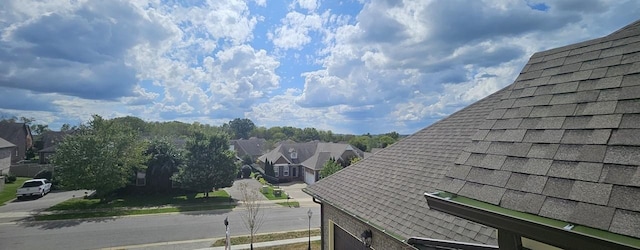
(9, 191)
(289, 204)
(245, 239)
(124, 212)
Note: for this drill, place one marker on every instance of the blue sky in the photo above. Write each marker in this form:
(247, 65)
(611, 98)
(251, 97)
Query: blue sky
(351, 66)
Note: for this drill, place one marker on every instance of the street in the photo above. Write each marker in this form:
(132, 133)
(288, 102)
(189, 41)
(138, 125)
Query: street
(109, 232)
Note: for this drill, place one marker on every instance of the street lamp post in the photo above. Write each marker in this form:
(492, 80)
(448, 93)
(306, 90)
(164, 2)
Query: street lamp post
(227, 244)
(309, 213)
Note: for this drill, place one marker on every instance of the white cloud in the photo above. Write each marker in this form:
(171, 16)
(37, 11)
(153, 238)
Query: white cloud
(294, 32)
(393, 65)
(310, 5)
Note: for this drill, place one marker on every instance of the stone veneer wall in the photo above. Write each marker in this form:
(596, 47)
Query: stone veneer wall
(380, 240)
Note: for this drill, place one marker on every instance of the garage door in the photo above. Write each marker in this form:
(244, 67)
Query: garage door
(345, 241)
(309, 178)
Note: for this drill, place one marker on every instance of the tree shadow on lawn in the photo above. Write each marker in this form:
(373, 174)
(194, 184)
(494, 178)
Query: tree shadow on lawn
(147, 201)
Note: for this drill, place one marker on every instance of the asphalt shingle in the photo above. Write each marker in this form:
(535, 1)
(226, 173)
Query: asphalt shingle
(387, 188)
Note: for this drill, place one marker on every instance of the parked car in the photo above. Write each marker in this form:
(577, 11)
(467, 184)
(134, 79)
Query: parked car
(38, 187)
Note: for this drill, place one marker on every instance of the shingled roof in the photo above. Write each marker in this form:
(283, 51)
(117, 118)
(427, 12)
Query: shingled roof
(6, 144)
(386, 188)
(309, 154)
(563, 141)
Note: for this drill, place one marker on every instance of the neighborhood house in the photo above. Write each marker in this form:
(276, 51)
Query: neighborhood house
(303, 161)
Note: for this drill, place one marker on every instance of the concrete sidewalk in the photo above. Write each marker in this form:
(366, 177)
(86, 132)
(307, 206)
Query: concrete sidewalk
(266, 244)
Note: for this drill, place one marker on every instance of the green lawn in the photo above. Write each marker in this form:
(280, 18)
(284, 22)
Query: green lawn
(245, 239)
(9, 191)
(123, 212)
(79, 208)
(269, 194)
(141, 201)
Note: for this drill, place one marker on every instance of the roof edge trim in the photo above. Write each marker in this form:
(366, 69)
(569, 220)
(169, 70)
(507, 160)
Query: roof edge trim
(550, 234)
(363, 220)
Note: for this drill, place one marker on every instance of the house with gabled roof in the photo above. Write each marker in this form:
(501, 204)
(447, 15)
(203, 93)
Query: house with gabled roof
(295, 161)
(550, 161)
(20, 135)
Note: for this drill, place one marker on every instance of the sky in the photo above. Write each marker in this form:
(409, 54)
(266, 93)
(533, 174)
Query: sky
(350, 66)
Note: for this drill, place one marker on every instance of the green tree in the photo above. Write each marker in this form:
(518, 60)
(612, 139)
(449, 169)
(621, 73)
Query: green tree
(39, 129)
(354, 160)
(385, 141)
(209, 163)
(268, 168)
(330, 167)
(241, 127)
(246, 160)
(164, 160)
(103, 156)
(393, 135)
(360, 142)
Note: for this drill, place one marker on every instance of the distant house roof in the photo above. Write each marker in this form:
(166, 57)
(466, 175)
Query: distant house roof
(12, 131)
(310, 154)
(253, 146)
(6, 144)
(563, 141)
(386, 189)
(52, 138)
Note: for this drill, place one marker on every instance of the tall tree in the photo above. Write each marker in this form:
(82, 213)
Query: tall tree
(164, 161)
(209, 163)
(268, 168)
(241, 127)
(102, 156)
(330, 167)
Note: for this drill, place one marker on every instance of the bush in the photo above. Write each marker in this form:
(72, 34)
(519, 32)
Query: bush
(9, 178)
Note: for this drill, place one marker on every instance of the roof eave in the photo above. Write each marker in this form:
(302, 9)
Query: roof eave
(355, 216)
(533, 230)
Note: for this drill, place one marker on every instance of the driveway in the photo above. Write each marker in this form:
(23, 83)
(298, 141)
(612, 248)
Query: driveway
(39, 204)
(234, 190)
(294, 189)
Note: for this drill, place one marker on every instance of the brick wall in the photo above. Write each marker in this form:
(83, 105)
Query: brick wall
(380, 240)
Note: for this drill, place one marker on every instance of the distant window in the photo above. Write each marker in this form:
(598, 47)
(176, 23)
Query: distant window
(275, 170)
(286, 171)
(16, 152)
(294, 154)
(141, 179)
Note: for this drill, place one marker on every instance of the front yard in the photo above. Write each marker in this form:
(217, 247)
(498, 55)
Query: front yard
(78, 208)
(9, 191)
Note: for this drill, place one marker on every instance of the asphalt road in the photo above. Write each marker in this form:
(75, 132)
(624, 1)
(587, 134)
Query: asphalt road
(135, 230)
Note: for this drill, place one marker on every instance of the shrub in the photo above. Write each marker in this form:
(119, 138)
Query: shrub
(9, 178)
